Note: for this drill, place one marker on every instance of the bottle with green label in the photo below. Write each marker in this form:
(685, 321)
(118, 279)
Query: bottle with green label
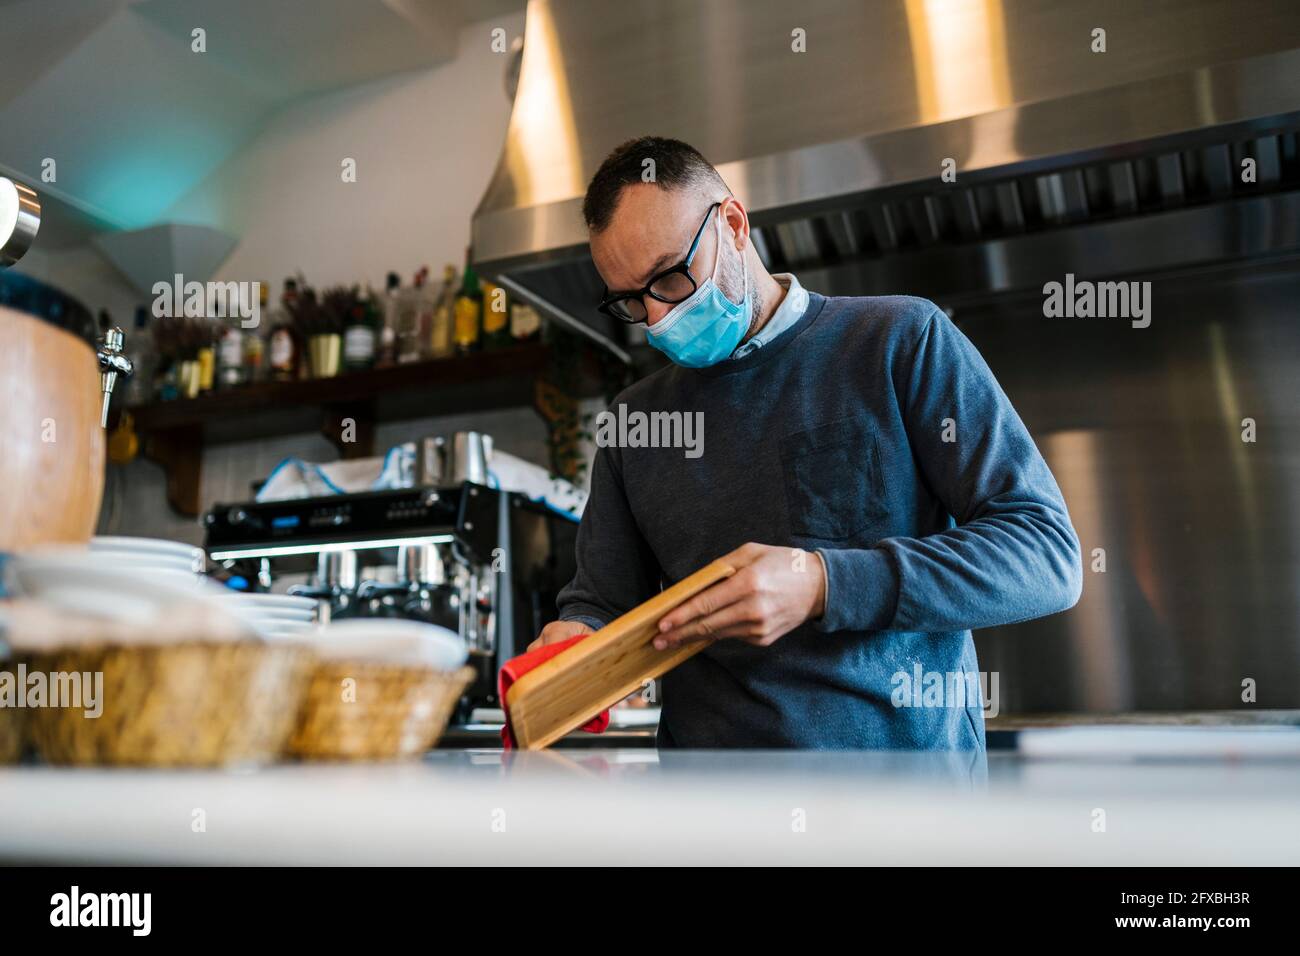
(362, 332)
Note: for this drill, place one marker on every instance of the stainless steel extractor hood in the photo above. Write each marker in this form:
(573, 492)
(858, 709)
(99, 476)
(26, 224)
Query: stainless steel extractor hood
(838, 149)
(1123, 163)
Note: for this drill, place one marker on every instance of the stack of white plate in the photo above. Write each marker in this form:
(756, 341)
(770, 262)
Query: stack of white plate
(171, 561)
(274, 615)
(136, 579)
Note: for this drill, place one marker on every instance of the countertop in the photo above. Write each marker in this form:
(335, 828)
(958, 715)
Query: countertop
(636, 728)
(1161, 796)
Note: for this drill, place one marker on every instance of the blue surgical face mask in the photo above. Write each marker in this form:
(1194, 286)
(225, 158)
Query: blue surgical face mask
(706, 328)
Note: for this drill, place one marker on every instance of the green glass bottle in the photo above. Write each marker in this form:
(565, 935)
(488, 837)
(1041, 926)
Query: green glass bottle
(469, 312)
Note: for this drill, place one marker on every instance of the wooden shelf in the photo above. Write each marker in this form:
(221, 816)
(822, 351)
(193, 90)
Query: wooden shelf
(174, 433)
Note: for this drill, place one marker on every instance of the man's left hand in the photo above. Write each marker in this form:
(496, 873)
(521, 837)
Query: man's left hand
(773, 591)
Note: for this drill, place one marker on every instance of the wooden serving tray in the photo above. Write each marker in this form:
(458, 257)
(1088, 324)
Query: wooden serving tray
(575, 685)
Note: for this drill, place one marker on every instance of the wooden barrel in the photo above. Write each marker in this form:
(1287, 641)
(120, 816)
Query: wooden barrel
(51, 442)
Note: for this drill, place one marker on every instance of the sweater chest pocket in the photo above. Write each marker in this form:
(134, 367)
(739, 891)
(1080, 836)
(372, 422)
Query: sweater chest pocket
(833, 484)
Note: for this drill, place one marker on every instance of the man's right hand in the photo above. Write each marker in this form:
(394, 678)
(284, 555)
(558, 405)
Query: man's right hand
(558, 631)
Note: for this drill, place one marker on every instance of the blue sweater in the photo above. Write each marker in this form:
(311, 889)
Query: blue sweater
(872, 432)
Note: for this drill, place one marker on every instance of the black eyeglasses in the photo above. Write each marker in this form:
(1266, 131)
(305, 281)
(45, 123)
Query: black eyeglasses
(670, 286)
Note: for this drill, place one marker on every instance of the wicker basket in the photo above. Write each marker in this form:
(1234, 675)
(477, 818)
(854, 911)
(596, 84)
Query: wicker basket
(369, 711)
(196, 704)
(12, 724)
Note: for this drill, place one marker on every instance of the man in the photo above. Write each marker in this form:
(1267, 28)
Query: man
(861, 469)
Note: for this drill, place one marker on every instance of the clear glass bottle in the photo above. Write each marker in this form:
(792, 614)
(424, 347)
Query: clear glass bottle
(230, 352)
(284, 347)
(443, 319)
(254, 340)
(394, 298)
(416, 316)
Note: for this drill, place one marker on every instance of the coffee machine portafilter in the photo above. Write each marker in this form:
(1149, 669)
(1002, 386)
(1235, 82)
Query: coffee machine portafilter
(427, 588)
(335, 585)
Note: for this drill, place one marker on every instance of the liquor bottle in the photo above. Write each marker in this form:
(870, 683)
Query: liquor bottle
(468, 312)
(362, 333)
(166, 346)
(525, 322)
(254, 342)
(193, 335)
(140, 349)
(442, 321)
(394, 299)
(416, 315)
(230, 353)
(426, 304)
(496, 317)
(374, 306)
(284, 345)
(209, 334)
(227, 341)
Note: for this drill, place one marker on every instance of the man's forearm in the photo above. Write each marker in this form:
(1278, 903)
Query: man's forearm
(990, 572)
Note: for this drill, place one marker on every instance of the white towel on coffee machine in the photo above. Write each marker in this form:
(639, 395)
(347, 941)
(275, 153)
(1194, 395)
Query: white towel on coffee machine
(515, 474)
(295, 478)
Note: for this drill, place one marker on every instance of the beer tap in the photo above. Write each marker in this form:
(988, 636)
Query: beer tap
(112, 363)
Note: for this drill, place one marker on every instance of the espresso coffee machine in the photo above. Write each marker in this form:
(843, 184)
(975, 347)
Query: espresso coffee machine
(482, 562)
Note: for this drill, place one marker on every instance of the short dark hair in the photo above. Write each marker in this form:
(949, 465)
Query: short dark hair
(676, 164)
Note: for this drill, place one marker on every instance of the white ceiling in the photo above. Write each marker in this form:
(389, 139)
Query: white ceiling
(134, 119)
(288, 48)
(36, 34)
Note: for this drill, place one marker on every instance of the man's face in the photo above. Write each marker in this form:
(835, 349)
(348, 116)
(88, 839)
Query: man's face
(651, 230)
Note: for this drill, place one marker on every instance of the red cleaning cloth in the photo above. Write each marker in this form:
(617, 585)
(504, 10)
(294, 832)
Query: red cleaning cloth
(517, 667)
